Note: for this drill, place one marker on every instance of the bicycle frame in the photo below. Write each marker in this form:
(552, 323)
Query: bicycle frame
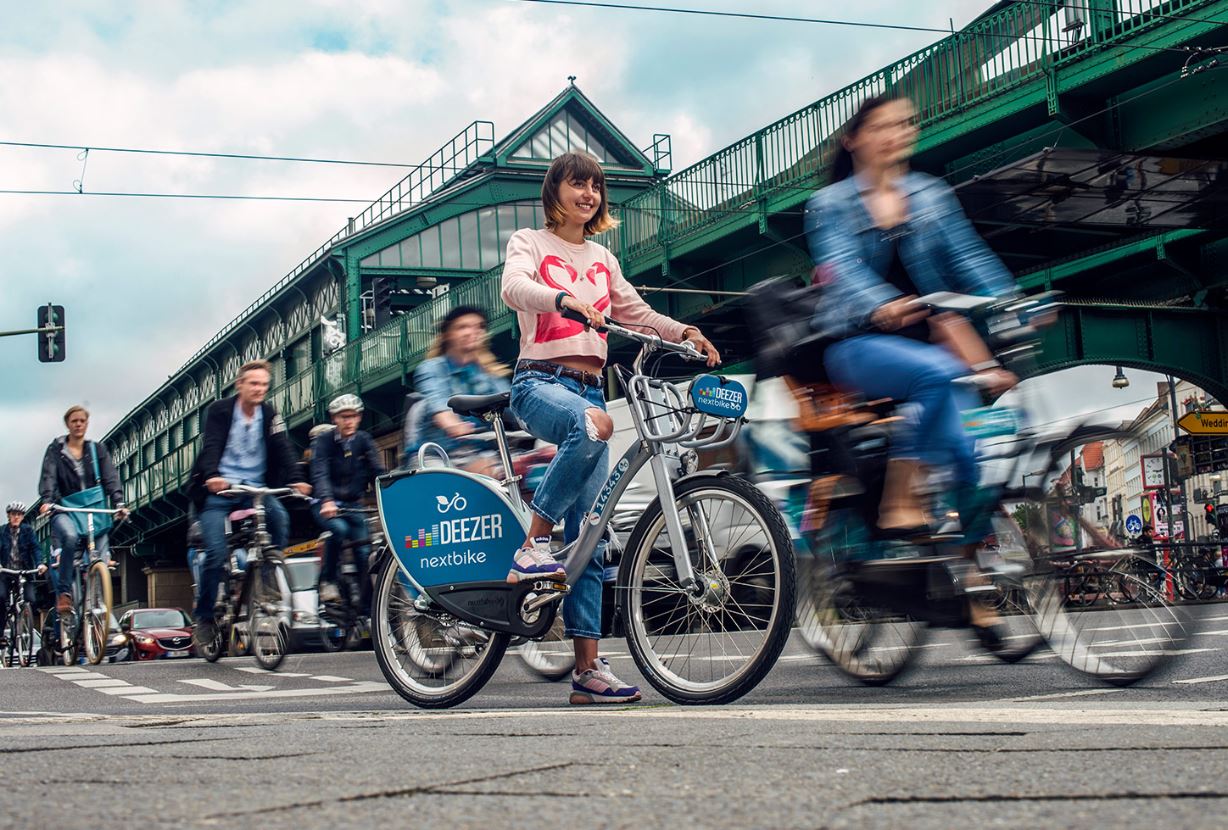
(654, 447)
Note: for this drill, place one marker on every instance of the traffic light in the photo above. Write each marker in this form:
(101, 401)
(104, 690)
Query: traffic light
(382, 290)
(1212, 521)
(51, 343)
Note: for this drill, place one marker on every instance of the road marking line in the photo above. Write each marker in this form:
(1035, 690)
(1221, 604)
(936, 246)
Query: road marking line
(86, 675)
(1211, 679)
(61, 669)
(127, 689)
(218, 686)
(358, 688)
(329, 678)
(97, 684)
(267, 673)
(1059, 695)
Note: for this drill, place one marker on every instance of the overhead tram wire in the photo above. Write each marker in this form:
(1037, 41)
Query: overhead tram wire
(864, 24)
(222, 196)
(201, 154)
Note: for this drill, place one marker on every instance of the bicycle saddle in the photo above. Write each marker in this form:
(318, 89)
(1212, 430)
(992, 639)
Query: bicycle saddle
(479, 405)
(237, 516)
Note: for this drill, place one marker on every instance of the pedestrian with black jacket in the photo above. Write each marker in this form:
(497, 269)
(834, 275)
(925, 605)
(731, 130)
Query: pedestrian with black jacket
(19, 551)
(70, 465)
(245, 442)
(344, 462)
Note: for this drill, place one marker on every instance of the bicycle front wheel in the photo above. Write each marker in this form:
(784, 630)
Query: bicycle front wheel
(1073, 558)
(431, 660)
(715, 643)
(25, 636)
(97, 612)
(269, 619)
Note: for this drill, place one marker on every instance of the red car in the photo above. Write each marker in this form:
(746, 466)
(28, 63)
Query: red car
(155, 633)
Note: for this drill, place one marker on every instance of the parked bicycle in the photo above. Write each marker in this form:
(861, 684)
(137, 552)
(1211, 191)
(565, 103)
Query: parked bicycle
(253, 613)
(868, 600)
(88, 625)
(19, 619)
(705, 590)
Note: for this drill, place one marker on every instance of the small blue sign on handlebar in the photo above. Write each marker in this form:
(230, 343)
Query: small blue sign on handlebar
(722, 397)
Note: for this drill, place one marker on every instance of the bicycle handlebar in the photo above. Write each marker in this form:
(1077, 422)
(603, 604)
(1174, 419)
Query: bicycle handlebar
(59, 508)
(16, 572)
(685, 349)
(236, 490)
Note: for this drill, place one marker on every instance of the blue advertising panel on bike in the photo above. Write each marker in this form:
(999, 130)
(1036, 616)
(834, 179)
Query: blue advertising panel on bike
(447, 527)
(722, 397)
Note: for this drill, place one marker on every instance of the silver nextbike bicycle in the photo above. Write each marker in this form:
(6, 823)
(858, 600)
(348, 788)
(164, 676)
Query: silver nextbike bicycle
(705, 586)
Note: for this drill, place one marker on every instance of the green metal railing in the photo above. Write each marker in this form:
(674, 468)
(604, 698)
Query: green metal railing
(783, 161)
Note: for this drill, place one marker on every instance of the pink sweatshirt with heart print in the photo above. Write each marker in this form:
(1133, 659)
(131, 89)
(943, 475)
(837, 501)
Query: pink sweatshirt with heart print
(539, 265)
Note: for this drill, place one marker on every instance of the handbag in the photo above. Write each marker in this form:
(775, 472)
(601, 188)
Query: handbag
(91, 497)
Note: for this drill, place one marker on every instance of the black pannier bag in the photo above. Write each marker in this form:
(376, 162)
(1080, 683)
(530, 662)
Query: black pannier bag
(778, 311)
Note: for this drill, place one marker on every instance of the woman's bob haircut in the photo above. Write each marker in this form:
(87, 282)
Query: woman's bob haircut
(571, 167)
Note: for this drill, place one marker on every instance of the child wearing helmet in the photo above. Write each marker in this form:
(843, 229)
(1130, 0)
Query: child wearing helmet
(344, 463)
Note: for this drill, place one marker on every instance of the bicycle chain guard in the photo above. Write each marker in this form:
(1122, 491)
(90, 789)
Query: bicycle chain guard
(496, 606)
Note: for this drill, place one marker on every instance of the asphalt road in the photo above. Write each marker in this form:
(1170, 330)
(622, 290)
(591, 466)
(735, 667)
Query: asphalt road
(961, 740)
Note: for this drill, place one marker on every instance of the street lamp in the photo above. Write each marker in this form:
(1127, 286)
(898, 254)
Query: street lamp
(1120, 381)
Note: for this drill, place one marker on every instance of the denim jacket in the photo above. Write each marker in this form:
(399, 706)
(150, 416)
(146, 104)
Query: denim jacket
(437, 380)
(940, 250)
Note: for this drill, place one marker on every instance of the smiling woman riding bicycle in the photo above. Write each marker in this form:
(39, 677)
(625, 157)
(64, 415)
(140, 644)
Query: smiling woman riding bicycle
(557, 390)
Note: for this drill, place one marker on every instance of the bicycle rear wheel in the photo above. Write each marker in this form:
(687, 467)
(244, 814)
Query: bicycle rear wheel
(866, 639)
(269, 617)
(97, 611)
(431, 660)
(716, 645)
(1118, 642)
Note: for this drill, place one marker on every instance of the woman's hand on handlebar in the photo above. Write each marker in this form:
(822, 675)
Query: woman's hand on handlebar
(302, 488)
(998, 380)
(595, 318)
(899, 313)
(45, 509)
(328, 509)
(217, 484)
(696, 338)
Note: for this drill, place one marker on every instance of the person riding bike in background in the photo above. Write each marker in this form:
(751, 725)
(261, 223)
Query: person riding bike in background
(344, 463)
(70, 465)
(459, 363)
(557, 391)
(19, 551)
(244, 442)
(879, 235)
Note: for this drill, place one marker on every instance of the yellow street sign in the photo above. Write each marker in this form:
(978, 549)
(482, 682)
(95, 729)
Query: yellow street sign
(1205, 423)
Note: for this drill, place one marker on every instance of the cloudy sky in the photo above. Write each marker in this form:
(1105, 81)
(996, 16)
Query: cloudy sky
(147, 281)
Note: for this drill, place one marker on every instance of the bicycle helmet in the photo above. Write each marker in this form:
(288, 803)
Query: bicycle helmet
(318, 430)
(345, 403)
(16, 507)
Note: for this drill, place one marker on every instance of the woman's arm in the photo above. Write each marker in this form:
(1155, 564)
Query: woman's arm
(47, 480)
(520, 291)
(975, 268)
(110, 477)
(627, 306)
(432, 382)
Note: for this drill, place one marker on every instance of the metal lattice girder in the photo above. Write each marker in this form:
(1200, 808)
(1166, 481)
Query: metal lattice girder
(1190, 343)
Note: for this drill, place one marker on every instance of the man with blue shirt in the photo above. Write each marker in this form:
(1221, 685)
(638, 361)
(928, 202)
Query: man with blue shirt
(244, 442)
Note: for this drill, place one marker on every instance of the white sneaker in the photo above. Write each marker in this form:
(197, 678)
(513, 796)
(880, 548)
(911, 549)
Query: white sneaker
(535, 562)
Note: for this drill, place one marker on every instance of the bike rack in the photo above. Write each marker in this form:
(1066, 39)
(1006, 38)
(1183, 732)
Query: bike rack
(670, 401)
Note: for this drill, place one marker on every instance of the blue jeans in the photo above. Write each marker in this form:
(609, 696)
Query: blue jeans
(887, 366)
(212, 519)
(553, 409)
(348, 527)
(64, 535)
